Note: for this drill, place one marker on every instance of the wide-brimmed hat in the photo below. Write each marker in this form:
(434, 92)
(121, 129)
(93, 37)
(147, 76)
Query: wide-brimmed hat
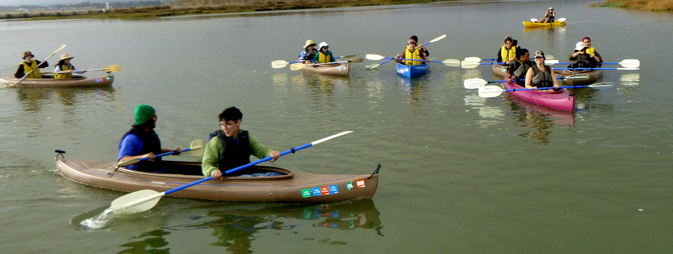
(27, 53)
(539, 53)
(580, 45)
(66, 56)
(308, 43)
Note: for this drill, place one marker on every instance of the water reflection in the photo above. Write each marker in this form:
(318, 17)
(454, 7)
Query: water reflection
(488, 115)
(33, 99)
(321, 84)
(412, 87)
(541, 119)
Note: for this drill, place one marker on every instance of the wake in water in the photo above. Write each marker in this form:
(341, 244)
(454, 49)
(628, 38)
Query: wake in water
(98, 221)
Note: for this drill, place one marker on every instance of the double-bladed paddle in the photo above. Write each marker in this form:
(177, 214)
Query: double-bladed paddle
(373, 66)
(144, 200)
(111, 68)
(473, 62)
(626, 63)
(535, 20)
(196, 147)
(37, 67)
(299, 66)
(447, 62)
(282, 63)
(475, 83)
(495, 91)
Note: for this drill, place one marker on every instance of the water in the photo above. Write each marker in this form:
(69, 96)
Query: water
(460, 173)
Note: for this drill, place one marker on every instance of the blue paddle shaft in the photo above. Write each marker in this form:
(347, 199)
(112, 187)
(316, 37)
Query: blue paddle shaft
(421, 60)
(561, 87)
(163, 154)
(582, 69)
(503, 81)
(237, 169)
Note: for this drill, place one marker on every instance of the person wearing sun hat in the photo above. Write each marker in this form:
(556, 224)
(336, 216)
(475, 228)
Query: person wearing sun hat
(142, 141)
(541, 75)
(30, 66)
(324, 54)
(309, 52)
(549, 16)
(64, 68)
(581, 59)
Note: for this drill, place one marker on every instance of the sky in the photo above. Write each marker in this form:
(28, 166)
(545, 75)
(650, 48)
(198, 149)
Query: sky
(51, 2)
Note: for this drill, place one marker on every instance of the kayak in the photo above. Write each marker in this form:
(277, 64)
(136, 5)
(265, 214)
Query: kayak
(328, 69)
(411, 71)
(593, 76)
(292, 186)
(49, 81)
(529, 24)
(561, 100)
(499, 71)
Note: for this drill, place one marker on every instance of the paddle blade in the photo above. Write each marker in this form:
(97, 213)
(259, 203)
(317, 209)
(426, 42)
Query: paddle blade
(562, 19)
(279, 64)
(469, 65)
(551, 61)
(372, 66)
(136, 202)
(196, 147)
(533, 20)
(474, 83)
(374, 57)
(438, 38)
(330, 137)
(356, 60)
(113, 68)
(578, 77)
(630, 63)
(472, 59)
(452, 62)
(297, 66)
(490, 91)
(347, 56)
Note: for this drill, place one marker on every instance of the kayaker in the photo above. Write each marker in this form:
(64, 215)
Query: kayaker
(29, 64)
(520, 67)
(423, 49)
(541, 75)
(142, 141)
(548, 17)
(507, 52)
(65, 65)
(591, 50)
(309, 52)
(231, 147)
(324, 55)
(411, 53)
(581, 59)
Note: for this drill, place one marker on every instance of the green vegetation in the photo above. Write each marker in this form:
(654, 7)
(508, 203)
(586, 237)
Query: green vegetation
(644, 5)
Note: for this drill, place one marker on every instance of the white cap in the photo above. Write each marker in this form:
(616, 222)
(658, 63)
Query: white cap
(551, 8)
(323, 44)
(580, 45)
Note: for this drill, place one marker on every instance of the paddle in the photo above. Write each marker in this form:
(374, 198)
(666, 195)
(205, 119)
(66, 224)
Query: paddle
(372, 66)
(535, 20)
(299, 66)
(282, 63)
(37, 67)
(628, 63)
(475, 83)
(583, 69)
(470, 65)
(495, 91)
(196, 145)
(144, 200)
(111, 68)
(447, 62)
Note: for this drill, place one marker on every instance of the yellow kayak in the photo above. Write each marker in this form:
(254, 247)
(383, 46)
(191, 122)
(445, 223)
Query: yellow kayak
(529, 24)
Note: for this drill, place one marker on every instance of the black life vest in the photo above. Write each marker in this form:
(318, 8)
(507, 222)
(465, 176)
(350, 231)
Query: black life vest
(542, 78)
(151, 143)
(310, 54)
(236, 151)
(520, 69)
(584, 61)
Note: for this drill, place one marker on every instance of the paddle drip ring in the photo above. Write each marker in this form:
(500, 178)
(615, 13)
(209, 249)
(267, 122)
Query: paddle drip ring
(292, 149)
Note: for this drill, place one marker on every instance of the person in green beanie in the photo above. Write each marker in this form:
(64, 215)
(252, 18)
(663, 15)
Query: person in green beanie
(142, 141)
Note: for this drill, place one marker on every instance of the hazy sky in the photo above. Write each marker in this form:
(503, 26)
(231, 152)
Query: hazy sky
(50, 2)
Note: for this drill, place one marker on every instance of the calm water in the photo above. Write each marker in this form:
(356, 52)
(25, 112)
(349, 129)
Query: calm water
(461, 174)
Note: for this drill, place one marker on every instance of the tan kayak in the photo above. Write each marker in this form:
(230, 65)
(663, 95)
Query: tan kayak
(49, 81)
(327, 69)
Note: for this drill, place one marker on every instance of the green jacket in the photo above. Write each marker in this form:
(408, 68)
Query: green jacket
(214, 149)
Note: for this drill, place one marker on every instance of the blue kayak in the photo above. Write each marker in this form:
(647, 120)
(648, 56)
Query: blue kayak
(411, 71)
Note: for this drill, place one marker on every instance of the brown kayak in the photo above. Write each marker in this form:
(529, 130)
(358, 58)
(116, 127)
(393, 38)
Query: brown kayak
(49, 81)
(293, 186)
(328, 69)
(593, 76)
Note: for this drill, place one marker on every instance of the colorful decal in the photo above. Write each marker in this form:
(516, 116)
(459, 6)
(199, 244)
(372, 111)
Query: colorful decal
(360, 183)
(316, 191)
(324, 190)
(333, 189)
(306, 193)
(349, 185)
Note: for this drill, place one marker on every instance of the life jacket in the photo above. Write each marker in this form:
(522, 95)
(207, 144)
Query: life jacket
(28, 67)
(64, 67)
(506, 54)
(584, 61)
(412, 55)
(324, 58)
(542, 78)
(236, 151)
(309, 54)
(521, 70)
(150, 143)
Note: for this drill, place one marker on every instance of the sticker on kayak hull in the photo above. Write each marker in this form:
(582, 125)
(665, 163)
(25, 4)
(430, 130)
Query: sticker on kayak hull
(320, 191)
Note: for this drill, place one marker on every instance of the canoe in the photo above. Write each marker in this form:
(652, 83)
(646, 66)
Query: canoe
(411, 71)
(293, 186)
(593, 76)
(529, 24)
(328, 69)
(561, 100)
(49, 81)
(499, 71)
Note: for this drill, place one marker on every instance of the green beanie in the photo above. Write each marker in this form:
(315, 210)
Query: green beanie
(144, 113)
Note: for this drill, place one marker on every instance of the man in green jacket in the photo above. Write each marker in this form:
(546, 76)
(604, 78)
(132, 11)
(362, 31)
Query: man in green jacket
(231, 147)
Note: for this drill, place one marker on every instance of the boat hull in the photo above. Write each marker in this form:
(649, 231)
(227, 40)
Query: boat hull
(49, 81)
(328, 69)
(411, 71)
(561, 100)
(294, 186)
(499, 71)
(529, 24)
(593, 77)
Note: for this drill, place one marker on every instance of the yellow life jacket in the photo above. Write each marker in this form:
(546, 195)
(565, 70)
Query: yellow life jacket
(28, 67)
(590, 51)
(507, 54)
(412, 55)
(64, 75)
(324, 58)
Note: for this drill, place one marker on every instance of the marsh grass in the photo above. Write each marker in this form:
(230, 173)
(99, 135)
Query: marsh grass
(644, 5)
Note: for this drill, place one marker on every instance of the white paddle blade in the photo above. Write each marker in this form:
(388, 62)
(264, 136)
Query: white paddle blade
(196, 147)
(533, 20)
(297, 66)
(490, 91)
(630, 63)
(469, 65)
(562, 19)
(472, 59)
(474, 83)
(626, 69)
(550, 62)
(452, 62)
(374, 57)
(279, 64)
(438, 38)
(136, 202)
(578, 77)
(330, 137)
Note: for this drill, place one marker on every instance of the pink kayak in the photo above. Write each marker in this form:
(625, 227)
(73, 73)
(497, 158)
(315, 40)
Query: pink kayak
(561, 100)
